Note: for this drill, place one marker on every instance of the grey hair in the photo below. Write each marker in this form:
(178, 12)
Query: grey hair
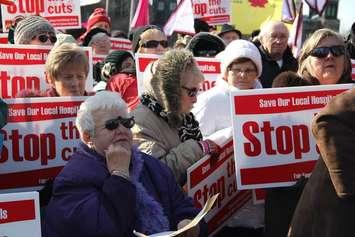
(265, 27)
(98, 37)
(101, 100)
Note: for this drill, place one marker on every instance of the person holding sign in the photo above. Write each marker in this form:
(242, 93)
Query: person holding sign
(67, 68)
(165, 127)
(240, 68)
(110, 188)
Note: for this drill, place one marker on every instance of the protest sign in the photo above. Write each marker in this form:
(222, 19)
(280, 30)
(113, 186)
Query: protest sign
(210, 67)
(271, 130)
(96, 58)
(61, 14)
(23, 66)
(120, 44)
(20, 215)
(353, 69)
(216, 12)
(3, 38)
(208, 177)
(38, 139)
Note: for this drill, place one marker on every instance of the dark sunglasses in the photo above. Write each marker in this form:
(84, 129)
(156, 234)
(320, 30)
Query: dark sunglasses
(205, 53)
(323, 52)
(112, 124)
(154, 44)
(44, 37)
(191, 92)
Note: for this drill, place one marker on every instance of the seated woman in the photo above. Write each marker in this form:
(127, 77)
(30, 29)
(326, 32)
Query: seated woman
(109, 188)
(67, 68)
(165, 128)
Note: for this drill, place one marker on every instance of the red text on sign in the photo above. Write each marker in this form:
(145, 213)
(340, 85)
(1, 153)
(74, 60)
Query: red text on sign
(27, 6)
(16, 84)
(288, 139)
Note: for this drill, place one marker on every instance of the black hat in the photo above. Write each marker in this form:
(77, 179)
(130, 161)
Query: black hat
(88, 36)
(137, 35)
(201, 26)
(115, 58)
(229, 28)
(205, 44)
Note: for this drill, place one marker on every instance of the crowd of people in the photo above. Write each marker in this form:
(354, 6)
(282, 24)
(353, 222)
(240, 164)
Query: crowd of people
(130, 168)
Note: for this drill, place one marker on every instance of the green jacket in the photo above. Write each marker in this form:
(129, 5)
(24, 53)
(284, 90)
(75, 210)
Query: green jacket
(3, 113)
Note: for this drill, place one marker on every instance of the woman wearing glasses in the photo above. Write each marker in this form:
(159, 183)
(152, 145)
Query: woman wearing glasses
(326, 205)
(110, 188)
(240, 68)
(165, 127)
(34, 30)
(149, 39)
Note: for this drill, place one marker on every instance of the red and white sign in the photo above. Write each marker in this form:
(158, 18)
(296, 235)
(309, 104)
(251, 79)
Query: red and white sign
(98, 58)
(3, 38)
(271, 130)
(38, 139)
(23, 66)
(20, 215)
(61, 14)
(353, 69)
(210, 67)
(216, 12)
(121, 44)
(208, 177)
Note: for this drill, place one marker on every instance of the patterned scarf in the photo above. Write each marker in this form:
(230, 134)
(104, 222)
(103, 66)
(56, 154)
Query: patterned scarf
(188, 130)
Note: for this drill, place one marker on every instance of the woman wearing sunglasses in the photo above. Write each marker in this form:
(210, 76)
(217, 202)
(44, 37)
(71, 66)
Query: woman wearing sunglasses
(110, 188)
(326, 205)
(149, 39)
(165, 128)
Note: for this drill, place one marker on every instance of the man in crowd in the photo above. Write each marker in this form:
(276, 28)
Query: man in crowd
(276, 55)
(229, 33)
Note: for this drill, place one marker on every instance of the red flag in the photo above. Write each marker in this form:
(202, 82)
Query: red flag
(141, 17)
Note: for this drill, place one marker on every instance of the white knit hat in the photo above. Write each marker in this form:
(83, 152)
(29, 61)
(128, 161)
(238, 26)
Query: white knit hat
(240, 49)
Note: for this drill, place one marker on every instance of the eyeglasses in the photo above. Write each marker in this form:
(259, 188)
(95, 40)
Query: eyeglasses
(191, 92)
(238, 71)
(44, 37)
(205, 53)
(112, 124)
(323, 52)
(154, 44)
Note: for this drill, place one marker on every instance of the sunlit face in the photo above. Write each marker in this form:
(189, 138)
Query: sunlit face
(275, 40)
(327, 70)
(70, 81)
(242, 75)
(103, 25)
(44, 38)
(190, 83)
(229, 37)
(149, 35)
(104, 137)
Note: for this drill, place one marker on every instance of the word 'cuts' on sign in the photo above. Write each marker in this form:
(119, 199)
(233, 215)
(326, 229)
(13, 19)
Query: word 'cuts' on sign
(272, 133)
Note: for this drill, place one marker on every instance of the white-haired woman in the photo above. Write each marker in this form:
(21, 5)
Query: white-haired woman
(109, 188)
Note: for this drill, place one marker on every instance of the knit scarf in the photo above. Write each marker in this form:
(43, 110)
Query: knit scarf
(150, 215)
(189, 128)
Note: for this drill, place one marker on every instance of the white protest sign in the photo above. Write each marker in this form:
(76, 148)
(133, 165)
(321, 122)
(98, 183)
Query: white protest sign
(19, 215)
(208, 177)
(214, 12)
(23, 66)
(3, 38)
(96, 58)
(271, 129)
(210, 67)
(61, 14)
(38, 139)
(121, 44)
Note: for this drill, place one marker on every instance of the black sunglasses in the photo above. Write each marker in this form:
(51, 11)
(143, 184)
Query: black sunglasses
(44, 37)
(205, 53)
(112, 124)
(154, 43)
(323, 52)
(191, 92)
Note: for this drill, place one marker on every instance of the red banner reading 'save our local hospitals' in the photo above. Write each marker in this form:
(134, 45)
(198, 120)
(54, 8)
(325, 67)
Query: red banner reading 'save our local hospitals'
(38, 140)
(208, 177)
(61, 14)
(271, 130)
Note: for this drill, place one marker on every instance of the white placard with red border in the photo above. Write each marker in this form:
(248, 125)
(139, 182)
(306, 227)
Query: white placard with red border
(23, 66)
(98, 58)
(353, 69)
(4, 38)
(20, 215)
(216, 12)
(61, 14)
(121, 44)
(210, 67)
(272, 134)
(208, 177)
(38, 139)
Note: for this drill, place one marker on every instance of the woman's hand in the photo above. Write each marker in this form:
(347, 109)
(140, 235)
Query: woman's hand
(118, 158)
(209, 147)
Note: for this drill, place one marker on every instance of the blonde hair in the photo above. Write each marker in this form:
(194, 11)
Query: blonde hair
(64, 54)
(311, 43)
(149, 34)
